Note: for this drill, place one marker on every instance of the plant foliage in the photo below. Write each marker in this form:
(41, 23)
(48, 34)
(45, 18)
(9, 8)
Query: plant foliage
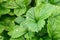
(29, 19)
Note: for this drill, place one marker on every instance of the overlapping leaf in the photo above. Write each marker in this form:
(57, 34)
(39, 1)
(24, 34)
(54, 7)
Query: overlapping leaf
(17, 31)
(19, 6)
(7, 23)
(20, 38)
(29, 35)
(19, 19)
(38, 14)
(15, 25)
(53, 26)
(55, 2)
(19, 11)
(6, 11)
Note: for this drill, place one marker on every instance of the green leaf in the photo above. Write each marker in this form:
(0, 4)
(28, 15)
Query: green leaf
(54, 1)
(44, 11)
(41, 12)
(30, 13)
(53, 26)
(2, 1)
(20, 38)
(27, 2)
(19, 19)
(41, 24)
(8, 23)
(32, 26)
(1, 38)
(40, 39)
(17, 32)
(16, 3)
(47, 39)
(29, 35)
(23, 2)
(10, 4)
(2, 28)
(6, 11)
(19, 11)
(39, 2)
(34, 38)
(11, 13)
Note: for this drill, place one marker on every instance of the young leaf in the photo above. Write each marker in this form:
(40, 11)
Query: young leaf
(17, 32)
(10, 4)
(53, 26)
(41, 12)
(41, 24)
(45, 11)
(19, 19)
(30, 13)
(19, 11)
(32, 26)
(20, 38)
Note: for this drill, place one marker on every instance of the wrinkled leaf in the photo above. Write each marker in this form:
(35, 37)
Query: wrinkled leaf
(19, 19)
(10, 4)
(45, 11)
(53, 26)
(19, 11)
(17, 32)
(41, 24)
